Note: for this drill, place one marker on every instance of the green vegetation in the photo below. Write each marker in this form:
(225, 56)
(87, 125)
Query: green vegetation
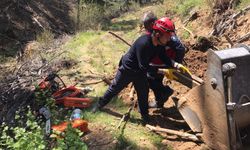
(45, 37)
(95, 50)
(27, 135)
(96, 15)
(185, 35)
(183, 7)
(242, 4)
(28, 132)
(71, 140)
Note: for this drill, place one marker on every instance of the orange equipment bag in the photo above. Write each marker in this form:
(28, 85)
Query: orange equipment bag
(80, 124)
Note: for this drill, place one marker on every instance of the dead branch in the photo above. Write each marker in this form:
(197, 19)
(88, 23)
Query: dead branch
(175, 120)
(188, 31)
(38, 23)
(235, 16)
(20, 67)
(126, 116)
(229, 41)
(131, 93)
(227, 21)
(120, 38)
(90, 83)
(95, 73)
(243, 38)
(107, 80)
(174, 132)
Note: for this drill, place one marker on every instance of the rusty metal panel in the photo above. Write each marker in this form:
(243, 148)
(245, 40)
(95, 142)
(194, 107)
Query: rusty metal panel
(209, 100)
(218, 95)
(215, 113)
(241, 78)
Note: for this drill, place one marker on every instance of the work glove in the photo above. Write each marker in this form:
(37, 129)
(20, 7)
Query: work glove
(169, 73)
(183, 69)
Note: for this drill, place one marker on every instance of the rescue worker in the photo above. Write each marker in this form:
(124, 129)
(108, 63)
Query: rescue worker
(134, 65)
(174, 49)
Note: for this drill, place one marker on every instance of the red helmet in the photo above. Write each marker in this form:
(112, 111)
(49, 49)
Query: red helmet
(164, 25)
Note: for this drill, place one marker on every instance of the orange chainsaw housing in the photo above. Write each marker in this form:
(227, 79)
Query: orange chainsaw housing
(44, 85)
(80, 124)
(69, 98)
(74, 102)
(70, 91)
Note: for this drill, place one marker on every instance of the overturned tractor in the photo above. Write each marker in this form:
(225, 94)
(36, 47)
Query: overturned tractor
(219, 108)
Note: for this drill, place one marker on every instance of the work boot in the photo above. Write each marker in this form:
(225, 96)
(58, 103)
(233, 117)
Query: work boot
(145, 119)
(165, 94)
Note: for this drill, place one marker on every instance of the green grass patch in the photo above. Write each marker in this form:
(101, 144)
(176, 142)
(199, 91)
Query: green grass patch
(74, 46)
(100, 52)
(132, 135)
(183, 7)
(45, 37)
(124, 143)
(185, 35)
(242, 4)
(124, 25)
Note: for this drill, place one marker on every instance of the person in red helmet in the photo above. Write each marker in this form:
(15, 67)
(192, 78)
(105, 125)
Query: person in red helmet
(134, 65)
(174, 49)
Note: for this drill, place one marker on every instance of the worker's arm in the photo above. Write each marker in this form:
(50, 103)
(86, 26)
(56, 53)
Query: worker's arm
(178, 47)
(142, 55)
(166, 60)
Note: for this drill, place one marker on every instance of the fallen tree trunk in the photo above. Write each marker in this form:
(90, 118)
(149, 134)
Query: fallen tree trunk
(178, 133)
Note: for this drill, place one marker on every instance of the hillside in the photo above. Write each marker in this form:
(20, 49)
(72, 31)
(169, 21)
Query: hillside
(23, 20)
(86, 58)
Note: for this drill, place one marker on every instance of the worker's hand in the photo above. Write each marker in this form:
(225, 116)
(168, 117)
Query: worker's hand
(183, 69)
(169, 73)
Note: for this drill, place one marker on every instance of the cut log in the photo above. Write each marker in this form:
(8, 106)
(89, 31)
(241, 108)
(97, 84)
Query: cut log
(174, 132)
(93, 82)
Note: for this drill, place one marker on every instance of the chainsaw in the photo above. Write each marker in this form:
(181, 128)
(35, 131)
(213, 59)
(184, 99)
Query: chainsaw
(70, 96)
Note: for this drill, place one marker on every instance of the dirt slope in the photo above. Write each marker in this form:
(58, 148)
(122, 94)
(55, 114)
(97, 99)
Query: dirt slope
(22, 20)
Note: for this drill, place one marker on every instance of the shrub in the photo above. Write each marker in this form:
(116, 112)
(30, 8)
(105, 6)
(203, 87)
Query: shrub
(25, 137)
(45, 37)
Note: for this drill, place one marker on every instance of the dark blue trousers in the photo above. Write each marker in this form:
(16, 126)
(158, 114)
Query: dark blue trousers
(122, 79)
(161, 92)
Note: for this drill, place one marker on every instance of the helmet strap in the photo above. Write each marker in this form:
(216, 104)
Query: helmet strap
(159, 41)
